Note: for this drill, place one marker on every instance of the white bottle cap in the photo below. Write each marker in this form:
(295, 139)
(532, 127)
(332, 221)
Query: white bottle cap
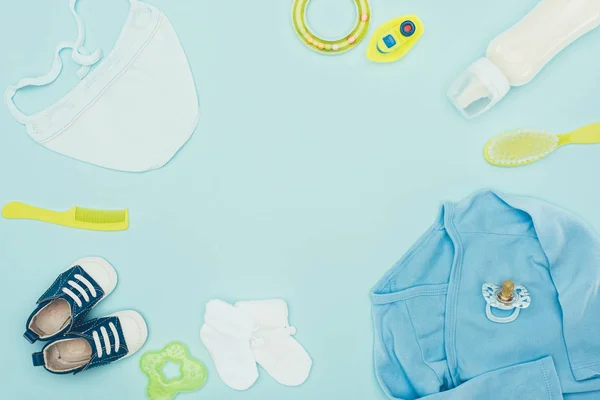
(479, 88)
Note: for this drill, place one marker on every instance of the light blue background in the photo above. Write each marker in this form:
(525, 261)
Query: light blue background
(307, 177)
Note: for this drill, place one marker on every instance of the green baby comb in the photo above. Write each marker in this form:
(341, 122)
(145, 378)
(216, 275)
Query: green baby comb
(192, 372)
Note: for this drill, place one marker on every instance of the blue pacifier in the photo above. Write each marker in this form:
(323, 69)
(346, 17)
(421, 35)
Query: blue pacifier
(505, 297)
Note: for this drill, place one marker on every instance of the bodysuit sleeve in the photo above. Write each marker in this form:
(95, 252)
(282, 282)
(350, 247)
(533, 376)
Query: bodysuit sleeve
(536, 380)
(403, 374)
(572, 250)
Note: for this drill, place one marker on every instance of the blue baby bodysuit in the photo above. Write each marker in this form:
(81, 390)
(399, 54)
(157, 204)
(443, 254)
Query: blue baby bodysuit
(432, 336)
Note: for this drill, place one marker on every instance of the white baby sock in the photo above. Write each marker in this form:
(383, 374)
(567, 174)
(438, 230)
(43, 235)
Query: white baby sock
(273, 346)
(226, 333)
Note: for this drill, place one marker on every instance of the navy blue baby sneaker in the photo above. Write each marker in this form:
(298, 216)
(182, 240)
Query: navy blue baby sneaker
(70, 298)
(94, 343)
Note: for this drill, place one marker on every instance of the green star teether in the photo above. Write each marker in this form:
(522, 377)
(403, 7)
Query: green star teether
(192, 372)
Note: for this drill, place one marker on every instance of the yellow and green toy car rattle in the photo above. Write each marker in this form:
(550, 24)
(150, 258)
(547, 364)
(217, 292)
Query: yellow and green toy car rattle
(392, 40)
(324, 46)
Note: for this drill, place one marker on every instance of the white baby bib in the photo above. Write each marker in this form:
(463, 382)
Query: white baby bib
(134, 111)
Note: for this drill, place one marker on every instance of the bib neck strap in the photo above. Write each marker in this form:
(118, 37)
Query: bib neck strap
(79, 54)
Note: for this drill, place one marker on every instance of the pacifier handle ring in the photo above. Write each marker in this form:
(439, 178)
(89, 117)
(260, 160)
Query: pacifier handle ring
(501, 320)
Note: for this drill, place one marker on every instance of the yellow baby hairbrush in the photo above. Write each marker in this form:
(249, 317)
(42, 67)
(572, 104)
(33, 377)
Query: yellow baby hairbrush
(76, 217)
(525, 146)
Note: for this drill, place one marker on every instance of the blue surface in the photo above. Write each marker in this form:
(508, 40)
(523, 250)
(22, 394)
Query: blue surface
(292, 187)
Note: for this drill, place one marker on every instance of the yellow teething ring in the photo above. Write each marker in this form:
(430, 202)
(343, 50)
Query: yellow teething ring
(348, 42)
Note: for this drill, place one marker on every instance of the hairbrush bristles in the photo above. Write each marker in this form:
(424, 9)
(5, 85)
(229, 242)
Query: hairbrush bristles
(100, 216)
(520, 147)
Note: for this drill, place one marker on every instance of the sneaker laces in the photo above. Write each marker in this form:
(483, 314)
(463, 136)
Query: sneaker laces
(107, 348)
(76, 286)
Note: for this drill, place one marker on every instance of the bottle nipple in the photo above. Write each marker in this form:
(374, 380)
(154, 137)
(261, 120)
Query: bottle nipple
(506, 295)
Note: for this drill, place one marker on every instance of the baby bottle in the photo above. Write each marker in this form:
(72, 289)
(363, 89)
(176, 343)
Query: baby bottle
(516, 56)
